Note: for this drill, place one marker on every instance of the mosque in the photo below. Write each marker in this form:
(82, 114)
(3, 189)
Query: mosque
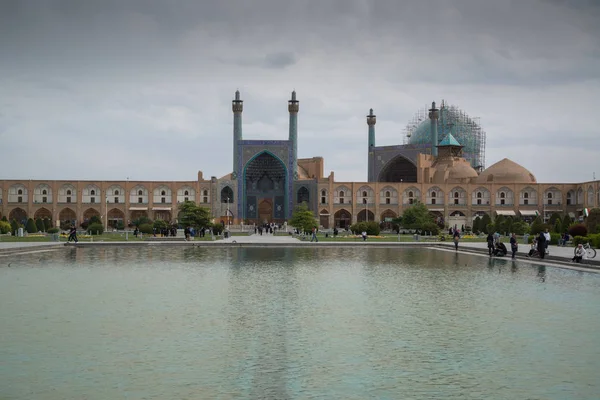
(440, 164)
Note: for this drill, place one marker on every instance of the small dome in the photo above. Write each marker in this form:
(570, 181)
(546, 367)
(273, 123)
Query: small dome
(302, 174)
(506, 171)
(453, 170)
(462, 170)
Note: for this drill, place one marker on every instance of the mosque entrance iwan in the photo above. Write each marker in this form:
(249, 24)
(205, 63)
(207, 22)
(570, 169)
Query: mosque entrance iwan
(265, 190)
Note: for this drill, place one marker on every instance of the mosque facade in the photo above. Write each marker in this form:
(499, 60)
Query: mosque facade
(268, 180)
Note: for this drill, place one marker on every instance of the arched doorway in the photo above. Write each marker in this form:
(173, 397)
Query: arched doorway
(43, 213)
(457, 220)
(265, 193)
(386, 219)
(67, 217)
(365, 216)
(116, 218)
(89, 213)
(399, 169)
(19, 215)
(265, 211)
(342, 219)
(303, 196)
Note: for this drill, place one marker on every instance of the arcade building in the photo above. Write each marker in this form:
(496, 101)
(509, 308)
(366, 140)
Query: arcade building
(441, 163)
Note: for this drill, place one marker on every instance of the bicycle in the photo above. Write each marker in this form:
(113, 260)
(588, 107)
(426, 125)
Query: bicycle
(591, 253)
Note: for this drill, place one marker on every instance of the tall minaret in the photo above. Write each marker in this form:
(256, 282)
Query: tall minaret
(293, 107)
(434, 115)
(237, 106)
(371, 120)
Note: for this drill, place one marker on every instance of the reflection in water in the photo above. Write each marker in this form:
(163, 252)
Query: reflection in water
(277, 323)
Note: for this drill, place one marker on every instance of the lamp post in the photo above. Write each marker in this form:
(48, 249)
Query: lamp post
(106, 211)
(228, 223)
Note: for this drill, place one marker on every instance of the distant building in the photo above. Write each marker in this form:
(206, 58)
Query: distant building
(268, 180)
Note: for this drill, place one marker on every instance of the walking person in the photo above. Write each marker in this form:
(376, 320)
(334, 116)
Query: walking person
(364, 236)
(314, 235)
(490, 243)
(72, 234)
(514, 246)
(456, 239)
(547, 236)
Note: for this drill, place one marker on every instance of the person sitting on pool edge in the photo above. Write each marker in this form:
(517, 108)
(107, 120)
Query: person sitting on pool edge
(501, 249)
(579, 254)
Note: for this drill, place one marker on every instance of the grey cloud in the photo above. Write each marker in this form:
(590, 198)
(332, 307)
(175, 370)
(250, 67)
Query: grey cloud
(279, 60)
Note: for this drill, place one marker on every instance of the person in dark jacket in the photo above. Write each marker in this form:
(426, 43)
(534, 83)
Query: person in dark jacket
(541, 244)
(490, 243)
(514, 246)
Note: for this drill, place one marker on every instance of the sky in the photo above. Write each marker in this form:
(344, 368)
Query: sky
(142, 89)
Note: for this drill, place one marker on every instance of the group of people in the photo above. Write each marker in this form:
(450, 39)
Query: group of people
(266, 228)
(498, 249)
(539, 246)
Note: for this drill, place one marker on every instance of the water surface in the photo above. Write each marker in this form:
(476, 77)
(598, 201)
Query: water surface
(295, 323)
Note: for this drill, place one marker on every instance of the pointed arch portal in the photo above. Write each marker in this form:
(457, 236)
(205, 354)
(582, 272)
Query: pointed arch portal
(399, 169)
(265, 189)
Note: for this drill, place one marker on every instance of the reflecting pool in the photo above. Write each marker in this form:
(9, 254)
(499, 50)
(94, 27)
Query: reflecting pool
(294, 323)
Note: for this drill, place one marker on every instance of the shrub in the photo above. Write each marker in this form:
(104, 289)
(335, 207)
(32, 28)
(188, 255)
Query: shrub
(554, 237)
(217, 229)
(39, 224)
(30, 227)
(431, 227)
(592, 222)
(595, 240)
(160, 224)
(578, 230)
(84, 224)
(520, 227)
(580, 239)
(4, 218)
(53, 230)
(47, 224)
(145, 228)
(120, 225)
(14, 226)
(4, 227)
(95, 228)
(95, 219)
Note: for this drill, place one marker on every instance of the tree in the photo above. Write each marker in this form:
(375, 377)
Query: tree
(47, 224)
(96, 228)
(143, 220)
(94, 219)
(578, 230)
(192, 215)
(553, 218)
(566, 222)
(592, 222)
(477, 225)
(418, 216)
(485, 222)
(303, 219)
(39, 224)
(160, 224)
(14, 226)
(558, 226)
(30, 227)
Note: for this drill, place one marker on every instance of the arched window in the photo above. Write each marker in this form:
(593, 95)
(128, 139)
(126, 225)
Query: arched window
(411, 194)
(226, 195)
(140, 192)
(323, 197)
(20, 191)
(387, 193)
(44, 191)
(92, 193)
(163, 193)
(187, 193)
(364, 193)
(69, 192)
(364, 200)
(116, 192)
(303, 195)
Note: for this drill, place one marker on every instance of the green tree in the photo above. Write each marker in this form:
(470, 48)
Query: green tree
(536, 226)
(520, 227)
(553, 218)
(4, 218)
(40, 225)
(566, 222)
(592, 222)
(95, 228)
(30, 227)
(485, 223)
(14, 226)
(557, 226)
(143, 220)
(476, 223)
(192, 215)
(303, 219)
(160, 224)
(95, 219)
(418, 217)
(47, 224)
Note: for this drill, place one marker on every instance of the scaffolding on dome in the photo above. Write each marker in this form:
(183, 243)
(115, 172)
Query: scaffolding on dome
(467, 130)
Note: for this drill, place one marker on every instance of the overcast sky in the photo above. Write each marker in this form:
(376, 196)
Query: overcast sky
(142, 89)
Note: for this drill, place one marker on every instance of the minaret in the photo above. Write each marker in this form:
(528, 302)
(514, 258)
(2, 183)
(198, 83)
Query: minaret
(293, 107)
(237, 106)
(434, 115)
(371, 120)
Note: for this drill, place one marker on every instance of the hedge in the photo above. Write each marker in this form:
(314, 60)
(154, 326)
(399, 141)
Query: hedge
(95, 229)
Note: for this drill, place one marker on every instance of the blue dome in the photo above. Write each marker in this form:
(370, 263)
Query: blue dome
(465, 129)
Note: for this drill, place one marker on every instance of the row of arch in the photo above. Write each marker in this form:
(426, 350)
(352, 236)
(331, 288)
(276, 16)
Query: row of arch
(69, 216)
(343, 218)
(67, 193)
(456, 196)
